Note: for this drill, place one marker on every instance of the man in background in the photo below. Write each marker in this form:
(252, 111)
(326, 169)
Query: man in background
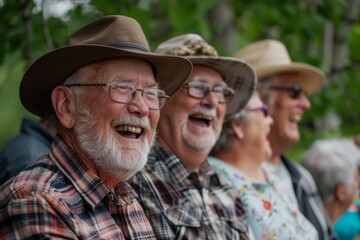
(32, 142)
(182, 195)
(285, 86)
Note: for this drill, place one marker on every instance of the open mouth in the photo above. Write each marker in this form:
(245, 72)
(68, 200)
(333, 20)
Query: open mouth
(204, 120)
(129, 131)
(295, 118)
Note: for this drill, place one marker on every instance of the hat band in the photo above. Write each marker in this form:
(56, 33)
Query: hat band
(133, 46)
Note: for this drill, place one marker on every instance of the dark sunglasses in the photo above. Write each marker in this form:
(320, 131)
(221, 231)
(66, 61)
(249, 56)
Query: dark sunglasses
(295, 90)
(264, 108)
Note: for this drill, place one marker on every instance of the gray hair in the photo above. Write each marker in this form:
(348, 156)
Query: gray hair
(76, 77)
(330, 162)
(226, 139)
(263, 87)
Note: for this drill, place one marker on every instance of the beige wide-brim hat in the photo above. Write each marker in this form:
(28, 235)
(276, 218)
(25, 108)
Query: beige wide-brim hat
(237, 74)
(269, 57)
(105, 38)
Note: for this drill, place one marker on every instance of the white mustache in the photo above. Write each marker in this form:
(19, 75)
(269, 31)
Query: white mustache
(204, 111)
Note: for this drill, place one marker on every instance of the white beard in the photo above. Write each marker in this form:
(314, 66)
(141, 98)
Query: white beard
(200, 140)
(119, 160)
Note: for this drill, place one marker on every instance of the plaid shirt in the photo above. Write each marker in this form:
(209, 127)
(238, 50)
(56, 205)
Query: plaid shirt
(181, 204)
(58, 198)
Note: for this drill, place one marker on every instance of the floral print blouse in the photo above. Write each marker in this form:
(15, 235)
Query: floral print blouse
(269, 215)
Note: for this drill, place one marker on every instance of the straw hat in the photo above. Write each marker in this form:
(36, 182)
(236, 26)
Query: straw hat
(269, 57)
(105, 38)
(236, 73)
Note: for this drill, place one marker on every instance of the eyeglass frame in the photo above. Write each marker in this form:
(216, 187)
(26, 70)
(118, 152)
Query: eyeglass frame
(296, 90)
(263, 108)
(133, 93)
(210, 89)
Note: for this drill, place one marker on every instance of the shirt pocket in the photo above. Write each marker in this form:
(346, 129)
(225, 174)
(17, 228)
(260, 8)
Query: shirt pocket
(187, 222)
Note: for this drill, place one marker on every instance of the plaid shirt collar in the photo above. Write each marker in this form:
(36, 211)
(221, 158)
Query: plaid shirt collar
(92, 188)
(178, 171)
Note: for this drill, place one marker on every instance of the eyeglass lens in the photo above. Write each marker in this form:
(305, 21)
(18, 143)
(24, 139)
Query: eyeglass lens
(296, 90)
(264, 109)
(125, 92)
(200, 90)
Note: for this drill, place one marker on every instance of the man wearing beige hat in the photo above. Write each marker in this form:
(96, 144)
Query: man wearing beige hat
(284, 86)
(103, 91)
(182, 195)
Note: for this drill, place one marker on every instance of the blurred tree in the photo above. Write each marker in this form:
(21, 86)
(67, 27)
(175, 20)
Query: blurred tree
(320, 32)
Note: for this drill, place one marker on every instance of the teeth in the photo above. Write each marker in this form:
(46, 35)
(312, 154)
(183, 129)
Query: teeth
(296, 118)
(200, 116)
(126, 128)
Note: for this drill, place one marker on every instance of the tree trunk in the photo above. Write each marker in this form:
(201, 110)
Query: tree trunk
(221, 17)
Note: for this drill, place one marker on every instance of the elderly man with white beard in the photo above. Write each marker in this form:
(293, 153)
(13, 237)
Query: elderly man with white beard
(181, 194)
(103, 91)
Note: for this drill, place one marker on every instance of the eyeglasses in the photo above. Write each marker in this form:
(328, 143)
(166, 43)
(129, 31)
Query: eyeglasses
(123, 92)
(264, 108)
(295, 90)
(201, 90)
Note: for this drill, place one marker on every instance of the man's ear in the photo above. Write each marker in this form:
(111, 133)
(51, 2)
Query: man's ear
(340, 191)
(63, 100)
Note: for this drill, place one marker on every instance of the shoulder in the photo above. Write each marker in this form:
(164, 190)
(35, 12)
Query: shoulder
(151, 181)
(305, 180)
(295, 169)
(23, 148)
(38, 180)
(16, 144)
(139, 181)
(304, 174)
(149, 187)
(37, 196)
(301, 177)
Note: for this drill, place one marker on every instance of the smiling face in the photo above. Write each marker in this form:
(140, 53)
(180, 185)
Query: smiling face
(190, 125)
(116, 136)
(286, 112)
(256, 128)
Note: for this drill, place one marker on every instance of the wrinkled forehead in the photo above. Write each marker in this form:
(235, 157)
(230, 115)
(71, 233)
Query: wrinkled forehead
(125, 69)
(287, 78)
(121, 64)
(207, 75)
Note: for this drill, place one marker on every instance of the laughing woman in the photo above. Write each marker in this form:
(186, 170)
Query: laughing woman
(239, 155)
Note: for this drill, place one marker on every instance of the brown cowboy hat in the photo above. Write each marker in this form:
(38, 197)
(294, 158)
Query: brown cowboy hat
(237, 74)
(105, 38)
(269, 57)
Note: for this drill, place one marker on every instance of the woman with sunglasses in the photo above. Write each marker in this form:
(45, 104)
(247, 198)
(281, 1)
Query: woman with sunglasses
(240, 155)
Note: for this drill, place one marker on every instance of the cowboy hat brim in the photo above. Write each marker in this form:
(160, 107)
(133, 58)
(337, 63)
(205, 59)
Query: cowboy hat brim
(310, 78)
(237, 74)
(54, 67)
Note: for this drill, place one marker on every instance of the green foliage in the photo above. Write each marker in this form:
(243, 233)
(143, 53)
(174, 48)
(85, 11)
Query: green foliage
(334, 10)
(354, 43)
(10, 106)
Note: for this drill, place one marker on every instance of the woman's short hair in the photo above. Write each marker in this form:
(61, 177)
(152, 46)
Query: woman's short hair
(227, 136)
(330, 162)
